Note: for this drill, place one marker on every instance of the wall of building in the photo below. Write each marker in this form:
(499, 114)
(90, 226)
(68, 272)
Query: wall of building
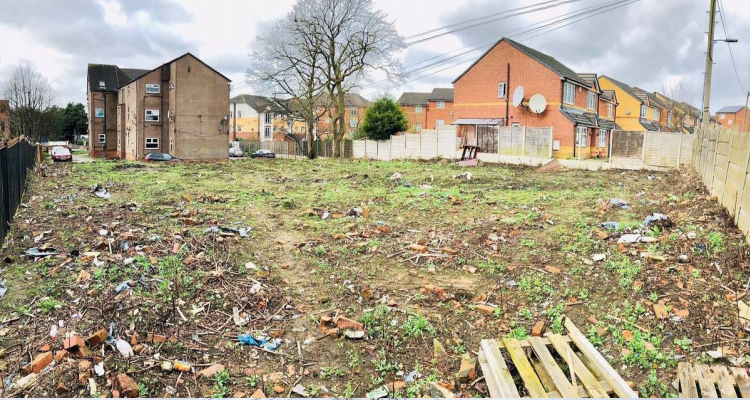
(325, 123)
(446, 114)
(107, 101)
(740, 120)
(629, 107)
(414, 117)
(201, 103)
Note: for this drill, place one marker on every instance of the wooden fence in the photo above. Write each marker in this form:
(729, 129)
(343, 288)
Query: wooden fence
(722, 158)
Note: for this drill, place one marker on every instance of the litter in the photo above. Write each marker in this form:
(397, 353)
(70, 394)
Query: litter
(629, 238)
(396, 176)
(99, 369)
(354, 334)
(183, 366)
(610, 225)
(123, 286)
(412, 375)
(3, 288)
(38, 253)
(466, 175)
(378, 393)
(599, 257)
(354, 212)
(124, 347)
(654, 218)
(242, 232)
(238, 320)
(300, 390)
(101, 191)
(255, 289)
(619, 203)
(260, 342)
(166, 366)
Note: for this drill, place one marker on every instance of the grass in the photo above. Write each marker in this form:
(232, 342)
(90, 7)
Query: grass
(313, 268)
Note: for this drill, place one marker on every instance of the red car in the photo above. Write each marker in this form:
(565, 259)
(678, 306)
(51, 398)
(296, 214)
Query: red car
(61, 154)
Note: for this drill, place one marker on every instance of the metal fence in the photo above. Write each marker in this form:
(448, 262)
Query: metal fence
(16, 157)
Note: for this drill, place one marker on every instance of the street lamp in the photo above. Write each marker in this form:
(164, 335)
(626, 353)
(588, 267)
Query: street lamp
(727, 40)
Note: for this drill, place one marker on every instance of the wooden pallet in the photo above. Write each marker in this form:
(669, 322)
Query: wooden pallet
(707, 381)
(539, 364)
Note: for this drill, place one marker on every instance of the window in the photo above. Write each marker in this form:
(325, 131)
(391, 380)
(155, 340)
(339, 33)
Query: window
(657, 114)
(418, 109)
(440, 122)
(153, 88)
(353, 123)
(269, 118)
(231, 114)
(152, 143)
(591, 104)
(441, 104)
(643, 111)
(102, 84)
(239, 114)
(171, 144)
(102, 138)
(602, 138)
(730, 122)
(501, 90)
(722, 116)
(353, 111)
(610, 110)
(152, 115)
(99, 112)
(418, 127)
(239, 128)
(267, 131)
(669, 118)
(516, 124)
(569, 93)
(581, 136)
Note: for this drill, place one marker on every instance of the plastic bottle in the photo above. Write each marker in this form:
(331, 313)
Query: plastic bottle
(182, 366)
(53, 332)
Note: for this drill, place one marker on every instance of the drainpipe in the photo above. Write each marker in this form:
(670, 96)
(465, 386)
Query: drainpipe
(235, 121)
(507, 91)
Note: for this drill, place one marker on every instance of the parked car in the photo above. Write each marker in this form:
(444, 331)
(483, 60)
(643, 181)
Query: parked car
(263, 154)
(236, 152)
(61, 154)
(160, 157)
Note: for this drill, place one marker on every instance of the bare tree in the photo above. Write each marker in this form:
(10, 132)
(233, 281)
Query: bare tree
(30, 94)
(289, 64)
(356, 40)
(678, 90)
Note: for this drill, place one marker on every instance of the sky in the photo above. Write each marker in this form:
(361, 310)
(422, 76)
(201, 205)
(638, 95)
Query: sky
(645, 44)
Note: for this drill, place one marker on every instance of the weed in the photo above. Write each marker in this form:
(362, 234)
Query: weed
(327, 372)
(416, 324)
(220, 388)
(492, 267)
(535, 287)
(624, 267)
(48, 304)
(715, 242)
(518, 332)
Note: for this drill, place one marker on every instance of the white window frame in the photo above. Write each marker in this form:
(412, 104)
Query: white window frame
(268, 118)
(730, 122)
(353, 122)
(502, 90)
(151, 143)
(151, 116)
(153, 88)
(569, 93)
(267, 131)
(610, 110)
(644, 109)
(102, 138)
(657, 114)
(722, 116)
(99, 113)
(669, 118)
(102, 84)
(581, 134)
(418, 127)
(418, 109)
(439, 122)
(602, 138)
(441, 104)
(591, 101)
(352, 111)
(171, 144)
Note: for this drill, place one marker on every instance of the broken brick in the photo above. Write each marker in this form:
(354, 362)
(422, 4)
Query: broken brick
(211, 371)
(60, 355)
(538, 329)
(45, 347)
(660, 311)
(344, 323)
(418, 248)
(73, 341)
(38, 364)
(61, 388)
(97, 338)
(127, 386)
(278, 389)
(449, 251)
(551, 269)
(468, 369)
(258, 394)
(484, 308)
(627, 335)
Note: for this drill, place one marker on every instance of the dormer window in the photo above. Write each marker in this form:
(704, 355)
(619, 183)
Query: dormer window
(102, 84)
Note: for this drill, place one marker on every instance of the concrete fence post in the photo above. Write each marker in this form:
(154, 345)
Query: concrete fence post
(643, 150)
(726, 168)
(611, 142)
(551, 141)
(523, 143)
(679, 153)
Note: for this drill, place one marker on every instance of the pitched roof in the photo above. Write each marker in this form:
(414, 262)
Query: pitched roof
(139, 73)
(257, 103)
(652, 126)
(441, 94)
(112, 76)
(627, 89)
(608, 95)
(414, 98)
(350, 100)
(650, 99)
(730, 109)
(602, 123)
(579, 117)
(548, 61)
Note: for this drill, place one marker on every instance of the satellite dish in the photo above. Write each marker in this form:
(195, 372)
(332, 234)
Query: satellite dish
(537, 103)
(518, 96)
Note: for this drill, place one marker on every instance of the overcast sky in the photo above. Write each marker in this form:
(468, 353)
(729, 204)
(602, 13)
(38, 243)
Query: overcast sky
(644, 44)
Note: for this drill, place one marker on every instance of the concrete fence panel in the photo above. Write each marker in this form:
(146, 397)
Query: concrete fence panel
(429, 144)
(371, 149)
(398, 147)
(358, 148)
(384, 150)
(413, 145)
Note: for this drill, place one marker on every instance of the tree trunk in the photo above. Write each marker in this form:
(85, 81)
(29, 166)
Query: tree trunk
(340, 129)
(311, 151)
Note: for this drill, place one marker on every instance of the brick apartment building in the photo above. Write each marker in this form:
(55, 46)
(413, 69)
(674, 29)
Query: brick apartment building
(178, 108)
(734, 116)
(428, 110)
(356, 106)
(260, 119)
(578, 110)
(4, 119)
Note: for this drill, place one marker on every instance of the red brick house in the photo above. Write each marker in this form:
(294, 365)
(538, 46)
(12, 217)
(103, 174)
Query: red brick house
(577, 109)
(428, 110)
(734, 116)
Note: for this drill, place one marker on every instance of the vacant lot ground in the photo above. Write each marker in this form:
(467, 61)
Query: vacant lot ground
(415, 257)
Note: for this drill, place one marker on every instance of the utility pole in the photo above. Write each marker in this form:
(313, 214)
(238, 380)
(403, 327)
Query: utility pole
(747, 98)
(706, 117)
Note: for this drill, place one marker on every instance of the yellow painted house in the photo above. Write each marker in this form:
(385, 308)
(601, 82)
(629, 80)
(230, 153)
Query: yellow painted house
(636, 111)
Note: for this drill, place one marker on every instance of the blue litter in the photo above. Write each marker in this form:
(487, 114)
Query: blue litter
(262, 343)
(612, 226)
(619, 203)
(123, 286)
(655, 217)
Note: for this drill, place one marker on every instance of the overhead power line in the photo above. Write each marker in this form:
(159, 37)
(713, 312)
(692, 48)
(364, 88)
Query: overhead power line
(729, 46)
